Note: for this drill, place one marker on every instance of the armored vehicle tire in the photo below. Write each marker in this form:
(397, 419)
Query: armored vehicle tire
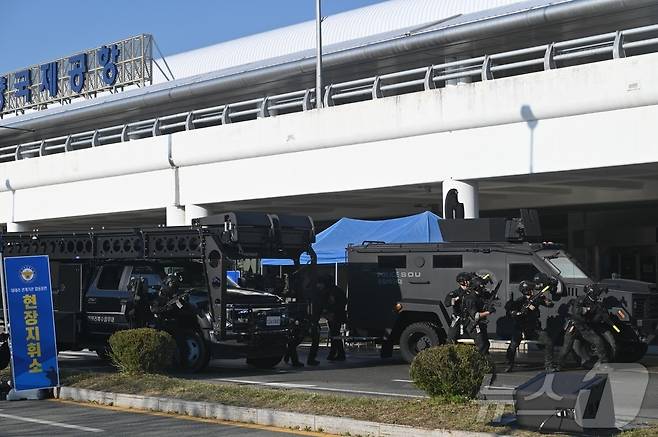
(417, 337)
(265, 362)
(633, 353)
(192, 351)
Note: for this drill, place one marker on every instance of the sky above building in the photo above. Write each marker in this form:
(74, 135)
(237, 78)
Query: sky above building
(44, 30)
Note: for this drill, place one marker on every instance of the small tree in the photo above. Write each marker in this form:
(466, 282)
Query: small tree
(143, 350)
(450, 371)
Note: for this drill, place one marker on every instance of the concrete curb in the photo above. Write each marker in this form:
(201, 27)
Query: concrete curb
(260, 416)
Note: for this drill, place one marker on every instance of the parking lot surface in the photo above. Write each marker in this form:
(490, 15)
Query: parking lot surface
(53, 417)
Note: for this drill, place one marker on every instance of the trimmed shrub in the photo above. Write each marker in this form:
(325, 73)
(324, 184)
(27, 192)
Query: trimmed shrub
(450, 371)
(143, 350)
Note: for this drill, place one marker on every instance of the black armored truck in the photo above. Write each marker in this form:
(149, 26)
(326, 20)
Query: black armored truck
(396, 291)
(105, 281)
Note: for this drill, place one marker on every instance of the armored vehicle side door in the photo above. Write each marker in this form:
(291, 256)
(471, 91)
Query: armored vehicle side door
(423, 282)
(374, 289)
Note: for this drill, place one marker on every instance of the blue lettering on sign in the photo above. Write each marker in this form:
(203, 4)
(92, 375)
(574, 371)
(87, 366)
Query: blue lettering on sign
(22, 82)
(77, 72)
(107, 58)
(31, 322)
(3, 88)
(49, 78)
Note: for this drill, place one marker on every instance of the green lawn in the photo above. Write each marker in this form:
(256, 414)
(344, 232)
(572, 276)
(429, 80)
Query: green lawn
(424, 413)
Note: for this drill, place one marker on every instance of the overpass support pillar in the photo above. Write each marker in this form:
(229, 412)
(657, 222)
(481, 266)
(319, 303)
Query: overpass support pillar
(19, 227)
(194, 211)
(175, 215)
(460, 199)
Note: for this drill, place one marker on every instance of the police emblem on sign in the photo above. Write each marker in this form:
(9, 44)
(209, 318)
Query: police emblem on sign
(27, 274)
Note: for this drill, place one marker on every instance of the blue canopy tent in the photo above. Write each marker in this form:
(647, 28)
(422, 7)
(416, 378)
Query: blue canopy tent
(331, 243)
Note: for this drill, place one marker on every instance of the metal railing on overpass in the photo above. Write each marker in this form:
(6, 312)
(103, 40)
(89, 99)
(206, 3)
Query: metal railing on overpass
(595, 48)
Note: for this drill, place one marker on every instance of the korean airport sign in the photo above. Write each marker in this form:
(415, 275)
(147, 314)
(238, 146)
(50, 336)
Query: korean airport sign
(31, 322)
(110, 67)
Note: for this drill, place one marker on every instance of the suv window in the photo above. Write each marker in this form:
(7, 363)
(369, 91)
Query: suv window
(152, 277)
(522, 272)
(110, 277)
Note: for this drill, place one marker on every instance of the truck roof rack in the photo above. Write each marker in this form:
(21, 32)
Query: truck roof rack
(239, 234)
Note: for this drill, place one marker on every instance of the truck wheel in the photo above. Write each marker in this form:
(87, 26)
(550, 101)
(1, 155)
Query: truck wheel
(417, 337)
(192, 353)
(104, 353)
(264, 363)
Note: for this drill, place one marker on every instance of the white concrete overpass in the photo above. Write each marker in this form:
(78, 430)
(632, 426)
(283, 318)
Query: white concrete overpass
(574, 135)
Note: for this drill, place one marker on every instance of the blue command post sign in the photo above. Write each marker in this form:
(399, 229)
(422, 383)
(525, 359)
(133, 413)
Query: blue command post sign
(31, 322)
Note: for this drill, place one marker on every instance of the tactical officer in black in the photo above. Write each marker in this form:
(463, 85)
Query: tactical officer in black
(138, 309)
(335, 302)
(170, 287)
(602, 324)
(454, 299)
(583, 320)
(527, 326)
(315, 300)
(475, 312)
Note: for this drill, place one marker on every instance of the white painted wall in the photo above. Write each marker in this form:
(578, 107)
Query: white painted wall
(560, 144)
(588, 116)
(134, 192)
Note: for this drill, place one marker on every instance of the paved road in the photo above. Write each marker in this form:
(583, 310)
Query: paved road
(364, 373)
(35, 418)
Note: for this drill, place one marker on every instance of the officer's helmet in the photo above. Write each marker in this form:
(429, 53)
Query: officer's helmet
(542, 280)
(173, 281)
(527, 287)
(463, 278)
(476, 284)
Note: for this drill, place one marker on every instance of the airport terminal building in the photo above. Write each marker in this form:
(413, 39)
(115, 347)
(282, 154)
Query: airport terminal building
(547, 104)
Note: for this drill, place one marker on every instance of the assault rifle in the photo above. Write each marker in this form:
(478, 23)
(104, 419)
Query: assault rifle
(493, 296)
(603, 316)
(534, 302)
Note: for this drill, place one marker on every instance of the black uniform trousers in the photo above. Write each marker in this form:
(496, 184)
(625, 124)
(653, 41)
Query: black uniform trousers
(480, 337)
(337, 350)
(581, 331)
(314, 333)
(531, 334)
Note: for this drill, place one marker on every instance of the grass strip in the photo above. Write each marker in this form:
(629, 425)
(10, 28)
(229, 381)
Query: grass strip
(422, 413)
